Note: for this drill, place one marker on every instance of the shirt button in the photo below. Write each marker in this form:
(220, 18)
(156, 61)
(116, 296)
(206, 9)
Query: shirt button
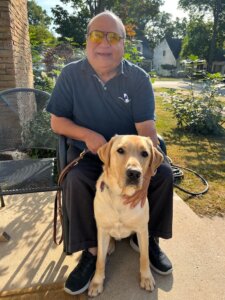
(105, 88)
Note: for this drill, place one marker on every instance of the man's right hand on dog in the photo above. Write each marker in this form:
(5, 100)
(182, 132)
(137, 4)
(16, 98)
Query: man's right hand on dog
(140, 195)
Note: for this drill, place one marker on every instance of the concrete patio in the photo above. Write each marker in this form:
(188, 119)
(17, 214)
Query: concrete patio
(30, 258)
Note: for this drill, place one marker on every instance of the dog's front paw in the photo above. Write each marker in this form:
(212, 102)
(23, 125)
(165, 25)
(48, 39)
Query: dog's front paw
(95, 288)
(147, 283)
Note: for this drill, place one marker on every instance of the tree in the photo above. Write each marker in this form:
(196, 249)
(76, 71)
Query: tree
(137, 12)
(71, 26)
(162, 26)
(41, 40)
(36, 15)
(40, 36)
(217, 9)
(197, 39)
(74, 26)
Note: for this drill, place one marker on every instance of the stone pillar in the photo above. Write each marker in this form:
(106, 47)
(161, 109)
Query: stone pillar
(15, 51)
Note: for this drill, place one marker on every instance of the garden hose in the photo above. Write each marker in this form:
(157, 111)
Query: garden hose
(178, 174)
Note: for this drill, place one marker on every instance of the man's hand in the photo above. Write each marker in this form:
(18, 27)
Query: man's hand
(94, 141)
(140, 195)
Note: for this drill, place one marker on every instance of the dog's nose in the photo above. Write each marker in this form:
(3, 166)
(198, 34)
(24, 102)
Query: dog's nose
(133, 174)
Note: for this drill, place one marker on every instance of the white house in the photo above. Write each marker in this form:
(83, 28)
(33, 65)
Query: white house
(166, 57)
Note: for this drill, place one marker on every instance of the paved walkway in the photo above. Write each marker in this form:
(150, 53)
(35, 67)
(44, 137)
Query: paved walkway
(197, 251)
(184, 85)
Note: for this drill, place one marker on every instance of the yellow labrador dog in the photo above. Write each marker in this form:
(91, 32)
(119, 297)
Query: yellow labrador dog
(127, 159)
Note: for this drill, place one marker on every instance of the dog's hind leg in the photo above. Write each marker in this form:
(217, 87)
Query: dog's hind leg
(96, 285)
(147, 280)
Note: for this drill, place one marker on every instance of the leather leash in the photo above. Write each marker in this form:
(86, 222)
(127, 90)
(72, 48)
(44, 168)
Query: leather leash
(58, 198)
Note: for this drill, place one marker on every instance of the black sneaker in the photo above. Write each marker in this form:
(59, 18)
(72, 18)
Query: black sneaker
(160, 263)
(79, 279)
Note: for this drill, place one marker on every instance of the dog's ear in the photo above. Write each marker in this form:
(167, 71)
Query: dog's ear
(156, 159)
(104, 152)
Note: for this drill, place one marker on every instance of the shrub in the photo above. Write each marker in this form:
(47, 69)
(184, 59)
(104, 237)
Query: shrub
(200, 113)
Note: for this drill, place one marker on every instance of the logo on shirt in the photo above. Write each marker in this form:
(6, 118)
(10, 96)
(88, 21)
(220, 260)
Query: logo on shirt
(125, 98)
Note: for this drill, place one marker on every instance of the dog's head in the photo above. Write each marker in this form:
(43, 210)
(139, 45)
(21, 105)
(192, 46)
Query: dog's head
(127, 159)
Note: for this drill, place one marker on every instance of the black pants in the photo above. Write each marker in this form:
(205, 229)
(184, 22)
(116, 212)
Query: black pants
(79, 192)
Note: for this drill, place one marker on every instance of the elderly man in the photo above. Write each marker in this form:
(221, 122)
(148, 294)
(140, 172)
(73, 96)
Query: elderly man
(94, 99)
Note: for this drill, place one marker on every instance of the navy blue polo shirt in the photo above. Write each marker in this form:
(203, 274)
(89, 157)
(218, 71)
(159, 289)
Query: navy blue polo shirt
(110, 108)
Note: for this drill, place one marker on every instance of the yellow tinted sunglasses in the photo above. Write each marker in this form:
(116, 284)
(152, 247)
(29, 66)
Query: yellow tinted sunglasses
(97, 36)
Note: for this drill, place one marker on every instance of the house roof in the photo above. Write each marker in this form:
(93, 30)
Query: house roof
(175, 46)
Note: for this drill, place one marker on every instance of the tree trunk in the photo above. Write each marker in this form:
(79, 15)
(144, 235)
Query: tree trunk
(216, 12)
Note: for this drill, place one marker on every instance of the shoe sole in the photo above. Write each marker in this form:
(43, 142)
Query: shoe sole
(136, 248)
(68, 291)
(160, 272)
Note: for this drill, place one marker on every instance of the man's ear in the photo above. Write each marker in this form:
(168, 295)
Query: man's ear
(104, 152)
(156, 159)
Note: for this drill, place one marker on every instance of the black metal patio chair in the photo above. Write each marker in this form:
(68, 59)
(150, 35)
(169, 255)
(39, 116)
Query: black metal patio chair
(28, 147)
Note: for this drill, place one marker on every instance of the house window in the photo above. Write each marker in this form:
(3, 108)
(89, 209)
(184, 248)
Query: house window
(164, 52)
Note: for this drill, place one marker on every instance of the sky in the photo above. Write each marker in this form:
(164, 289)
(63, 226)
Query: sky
(170, 6)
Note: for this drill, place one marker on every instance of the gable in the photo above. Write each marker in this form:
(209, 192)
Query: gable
(163, 47)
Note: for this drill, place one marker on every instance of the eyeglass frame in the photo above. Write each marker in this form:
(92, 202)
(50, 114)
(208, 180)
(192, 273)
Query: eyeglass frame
(105, 35)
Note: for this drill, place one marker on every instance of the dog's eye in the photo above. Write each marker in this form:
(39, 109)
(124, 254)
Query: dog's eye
(144, 153)
(120, 150)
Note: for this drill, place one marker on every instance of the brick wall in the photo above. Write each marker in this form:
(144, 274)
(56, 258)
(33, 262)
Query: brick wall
(15, 71)
(15, 52)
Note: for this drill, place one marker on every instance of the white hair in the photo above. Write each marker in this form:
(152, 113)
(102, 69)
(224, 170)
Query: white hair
(113, 16)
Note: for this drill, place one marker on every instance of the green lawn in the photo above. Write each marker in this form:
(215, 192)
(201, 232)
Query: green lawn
(203, 154)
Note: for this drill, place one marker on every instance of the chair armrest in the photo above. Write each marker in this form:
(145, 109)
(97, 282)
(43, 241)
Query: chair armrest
(162, 144)
(62, 152)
